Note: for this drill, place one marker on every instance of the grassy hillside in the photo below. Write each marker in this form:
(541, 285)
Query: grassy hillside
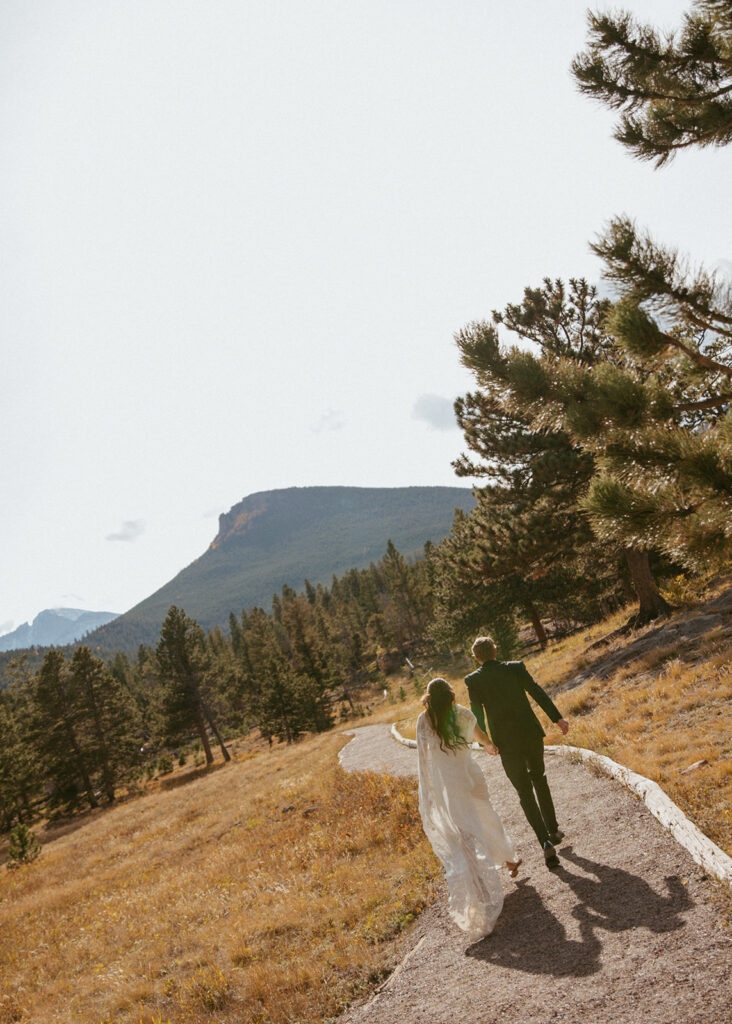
(275, 888)
(286, 536)
(270, 889)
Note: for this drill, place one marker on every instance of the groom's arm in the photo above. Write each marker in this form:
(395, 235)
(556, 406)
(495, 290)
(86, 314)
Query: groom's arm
(542, 698)
(476, 706)
(477, 710)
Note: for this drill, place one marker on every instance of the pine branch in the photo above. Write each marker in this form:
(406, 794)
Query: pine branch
(697, 357)
(717, 402)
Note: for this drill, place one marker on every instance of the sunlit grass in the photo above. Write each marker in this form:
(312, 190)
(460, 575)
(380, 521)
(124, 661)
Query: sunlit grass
(661, 722)
(269, 890)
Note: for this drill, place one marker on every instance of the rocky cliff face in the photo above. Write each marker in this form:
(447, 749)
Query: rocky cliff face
(240, 518)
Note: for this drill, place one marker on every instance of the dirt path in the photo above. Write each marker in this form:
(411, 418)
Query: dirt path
(624, 932)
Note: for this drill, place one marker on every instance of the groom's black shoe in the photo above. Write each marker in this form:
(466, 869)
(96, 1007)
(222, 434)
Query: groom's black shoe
(550, 856)
(555, 838)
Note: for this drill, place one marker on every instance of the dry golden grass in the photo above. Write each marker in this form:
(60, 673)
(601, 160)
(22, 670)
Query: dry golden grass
(267, 890)
(658, 716)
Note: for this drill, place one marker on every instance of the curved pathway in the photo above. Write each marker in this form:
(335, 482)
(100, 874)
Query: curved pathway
(627, 931)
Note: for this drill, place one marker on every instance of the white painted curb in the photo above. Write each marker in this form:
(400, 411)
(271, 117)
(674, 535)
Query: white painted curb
(706, 853)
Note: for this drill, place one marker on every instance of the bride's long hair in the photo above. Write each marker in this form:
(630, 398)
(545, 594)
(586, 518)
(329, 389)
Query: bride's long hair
(439, 703)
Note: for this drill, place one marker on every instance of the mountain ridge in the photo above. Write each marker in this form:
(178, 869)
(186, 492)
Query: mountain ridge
(55, 627)
(284, 536)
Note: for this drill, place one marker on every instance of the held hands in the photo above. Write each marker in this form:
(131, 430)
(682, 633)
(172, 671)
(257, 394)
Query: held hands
(485, 741)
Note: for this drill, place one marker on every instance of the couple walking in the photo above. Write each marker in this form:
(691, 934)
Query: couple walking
(464, 830)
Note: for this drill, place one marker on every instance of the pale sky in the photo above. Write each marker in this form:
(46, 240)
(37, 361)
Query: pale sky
(239, 236)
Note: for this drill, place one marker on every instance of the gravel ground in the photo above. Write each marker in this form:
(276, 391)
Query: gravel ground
(624, 932)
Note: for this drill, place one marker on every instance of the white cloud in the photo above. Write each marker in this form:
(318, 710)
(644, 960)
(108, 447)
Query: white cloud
(6, 627)
(436, 411)
(130, 530)
(333, 419)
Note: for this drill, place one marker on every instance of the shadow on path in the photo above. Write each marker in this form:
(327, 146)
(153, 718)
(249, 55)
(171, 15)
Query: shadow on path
(616, 900)
(528, 937)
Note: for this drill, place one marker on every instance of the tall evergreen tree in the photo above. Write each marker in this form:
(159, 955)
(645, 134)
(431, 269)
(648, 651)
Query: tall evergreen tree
(666, 477)
(107, 718)
(58, 729)
(298, 621)
(20, 779)
(665, 409)
(182, 663)
(274, 698)
(527, 546)
(674, 92)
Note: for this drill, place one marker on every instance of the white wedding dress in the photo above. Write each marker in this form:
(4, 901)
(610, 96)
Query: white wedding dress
(464, 830)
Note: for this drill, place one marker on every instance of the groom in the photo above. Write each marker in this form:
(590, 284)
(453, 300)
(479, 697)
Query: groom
(499, 688)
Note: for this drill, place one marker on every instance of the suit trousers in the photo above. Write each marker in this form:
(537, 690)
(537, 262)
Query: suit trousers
(526, 773)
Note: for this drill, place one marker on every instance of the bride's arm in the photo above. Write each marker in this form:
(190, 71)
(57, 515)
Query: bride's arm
(485, 741)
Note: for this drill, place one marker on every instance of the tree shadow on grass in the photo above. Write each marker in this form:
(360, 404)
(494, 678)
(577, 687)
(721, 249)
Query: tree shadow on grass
(528, 937)
(189, 775)
(65, 825)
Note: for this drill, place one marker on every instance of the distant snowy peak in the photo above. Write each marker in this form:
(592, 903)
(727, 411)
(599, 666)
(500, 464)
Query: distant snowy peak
(55, 627)
(72, 614)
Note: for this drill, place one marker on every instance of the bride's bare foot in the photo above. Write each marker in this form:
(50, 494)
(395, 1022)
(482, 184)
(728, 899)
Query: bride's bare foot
(513, 866)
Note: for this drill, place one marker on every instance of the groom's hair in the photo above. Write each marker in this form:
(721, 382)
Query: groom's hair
(483, 648)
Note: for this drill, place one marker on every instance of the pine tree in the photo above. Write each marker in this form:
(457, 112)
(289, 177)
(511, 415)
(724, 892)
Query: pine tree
(665, 411)
(673, 92)
(592, 396)
(665, 406)
(20, 780)
(527, 546)
(58, 731)
(107, 717)
(182, 663)
(298, 621)
(275, 706)
(23, 846)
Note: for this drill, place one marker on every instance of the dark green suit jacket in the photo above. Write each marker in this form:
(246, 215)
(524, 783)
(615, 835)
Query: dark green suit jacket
(500, 689)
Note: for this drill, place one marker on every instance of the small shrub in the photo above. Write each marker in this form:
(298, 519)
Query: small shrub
(165, 764)
(182, 758)
(208, 989)
(23, 846)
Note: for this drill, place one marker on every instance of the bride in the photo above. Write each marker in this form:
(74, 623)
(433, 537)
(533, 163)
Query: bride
(465, 832)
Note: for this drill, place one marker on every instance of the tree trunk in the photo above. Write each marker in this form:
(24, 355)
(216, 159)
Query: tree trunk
(651, 605)
(201, 726)
(535, 621)
(215, 731)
